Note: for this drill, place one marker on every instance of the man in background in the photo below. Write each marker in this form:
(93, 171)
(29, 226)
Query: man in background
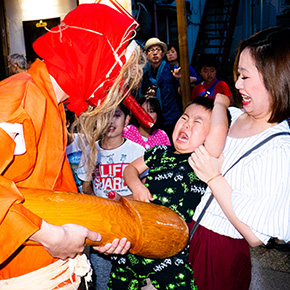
(159, 81)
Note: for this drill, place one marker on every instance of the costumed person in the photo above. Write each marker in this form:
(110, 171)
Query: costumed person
(147, 137)
(171, 182)
(251, 185)
(87, 63)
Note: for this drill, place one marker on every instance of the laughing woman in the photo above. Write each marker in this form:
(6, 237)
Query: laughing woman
(252, 200)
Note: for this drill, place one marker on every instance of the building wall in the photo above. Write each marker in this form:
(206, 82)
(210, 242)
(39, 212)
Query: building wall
(125, 3)
(22, 10)
(248, 20)
(194, 24)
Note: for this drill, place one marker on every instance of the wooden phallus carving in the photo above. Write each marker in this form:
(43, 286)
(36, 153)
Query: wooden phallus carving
(154, 231)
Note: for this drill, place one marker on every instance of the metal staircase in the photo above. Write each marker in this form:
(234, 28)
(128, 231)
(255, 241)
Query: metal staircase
(216, 29)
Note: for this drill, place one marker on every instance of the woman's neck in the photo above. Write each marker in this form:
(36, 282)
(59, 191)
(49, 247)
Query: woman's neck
(247, 126)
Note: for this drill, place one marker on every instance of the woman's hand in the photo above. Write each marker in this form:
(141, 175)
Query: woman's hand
(204, 165)
(176, 72)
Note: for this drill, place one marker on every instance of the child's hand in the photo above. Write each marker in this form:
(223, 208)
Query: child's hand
(222, 99)
(117, 247)
(142, 193)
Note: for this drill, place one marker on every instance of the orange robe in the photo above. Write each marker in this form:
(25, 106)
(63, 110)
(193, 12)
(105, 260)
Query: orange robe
(29, 99)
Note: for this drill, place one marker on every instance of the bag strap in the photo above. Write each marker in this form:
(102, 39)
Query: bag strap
(243, 156)
(209, 91)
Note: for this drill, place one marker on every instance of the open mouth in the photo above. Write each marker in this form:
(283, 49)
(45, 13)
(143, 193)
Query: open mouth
(182, 137)
(246, 100)
(111, 128)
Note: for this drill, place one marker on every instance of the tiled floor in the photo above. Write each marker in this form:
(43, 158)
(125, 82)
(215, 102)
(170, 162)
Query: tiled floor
(270, 268)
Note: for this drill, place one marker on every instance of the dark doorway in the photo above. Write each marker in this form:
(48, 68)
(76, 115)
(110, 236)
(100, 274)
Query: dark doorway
(34, 29)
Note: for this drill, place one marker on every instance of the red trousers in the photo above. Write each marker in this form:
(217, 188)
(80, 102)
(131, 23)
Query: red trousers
(219, 262)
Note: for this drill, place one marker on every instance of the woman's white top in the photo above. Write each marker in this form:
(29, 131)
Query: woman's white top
(260, 183)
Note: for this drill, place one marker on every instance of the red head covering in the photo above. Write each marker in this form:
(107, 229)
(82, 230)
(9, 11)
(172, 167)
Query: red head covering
(83, 53)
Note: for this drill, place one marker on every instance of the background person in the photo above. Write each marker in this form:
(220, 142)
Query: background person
(114, 153)
(16, 63)
(147, 137)
(210, 85)
(159, 81)
(172, 56)
(252, 201)
(73, 152)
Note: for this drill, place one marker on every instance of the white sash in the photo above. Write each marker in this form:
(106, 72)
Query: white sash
(51, 276)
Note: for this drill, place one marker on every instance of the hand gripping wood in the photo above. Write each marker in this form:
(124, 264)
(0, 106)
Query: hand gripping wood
(154, 231)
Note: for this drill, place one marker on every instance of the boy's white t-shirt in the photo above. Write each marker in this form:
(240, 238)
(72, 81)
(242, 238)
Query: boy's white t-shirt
(110, 165)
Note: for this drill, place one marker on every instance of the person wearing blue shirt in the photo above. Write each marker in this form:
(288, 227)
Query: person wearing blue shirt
(159, 81)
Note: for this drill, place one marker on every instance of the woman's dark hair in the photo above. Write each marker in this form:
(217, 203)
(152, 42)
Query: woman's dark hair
(270, 50)
(155, 105)
(208, 104)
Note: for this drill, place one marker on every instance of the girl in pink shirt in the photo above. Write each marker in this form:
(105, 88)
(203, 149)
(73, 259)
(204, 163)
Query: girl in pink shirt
(147, 137)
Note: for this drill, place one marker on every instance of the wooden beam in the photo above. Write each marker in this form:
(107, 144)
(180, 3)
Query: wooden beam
(183, 51)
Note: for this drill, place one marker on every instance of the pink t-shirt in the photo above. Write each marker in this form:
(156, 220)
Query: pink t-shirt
(158, 137)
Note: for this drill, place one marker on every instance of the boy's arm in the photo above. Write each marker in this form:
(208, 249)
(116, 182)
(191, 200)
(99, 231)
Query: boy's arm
(215, 140)
(131, 177)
